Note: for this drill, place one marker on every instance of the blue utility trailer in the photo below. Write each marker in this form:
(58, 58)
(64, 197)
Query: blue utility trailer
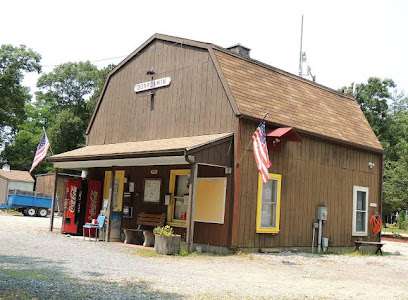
(29, 203)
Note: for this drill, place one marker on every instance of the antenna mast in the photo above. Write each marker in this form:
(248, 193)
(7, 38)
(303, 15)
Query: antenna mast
(303, 58)
(300, 53)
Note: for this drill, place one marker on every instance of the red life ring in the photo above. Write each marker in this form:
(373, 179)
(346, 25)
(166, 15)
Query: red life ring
(375, 224)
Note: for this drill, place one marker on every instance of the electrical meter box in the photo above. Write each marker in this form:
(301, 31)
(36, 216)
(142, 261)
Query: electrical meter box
(322, 213)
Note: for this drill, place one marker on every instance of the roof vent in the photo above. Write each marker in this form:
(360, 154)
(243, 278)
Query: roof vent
(240, 49)
(6, 168)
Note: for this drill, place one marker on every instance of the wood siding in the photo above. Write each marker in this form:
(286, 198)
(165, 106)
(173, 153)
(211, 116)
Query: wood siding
(220, 154)
(45, 184)
(204, 233)
(314, 172)
(195, 103)
(211, 233)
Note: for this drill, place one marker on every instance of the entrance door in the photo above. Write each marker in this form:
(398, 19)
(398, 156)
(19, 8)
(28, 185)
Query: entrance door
(180, 196)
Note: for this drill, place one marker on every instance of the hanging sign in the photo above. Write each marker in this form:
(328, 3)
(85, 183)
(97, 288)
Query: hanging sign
(148, 85)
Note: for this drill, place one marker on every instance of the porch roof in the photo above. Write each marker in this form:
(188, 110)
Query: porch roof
(153, 152)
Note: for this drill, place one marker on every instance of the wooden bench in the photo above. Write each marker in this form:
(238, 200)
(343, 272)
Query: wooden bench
(146, 222)
(378, 244)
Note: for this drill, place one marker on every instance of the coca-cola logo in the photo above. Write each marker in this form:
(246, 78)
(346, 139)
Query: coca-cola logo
(94, 200)
(73, 196)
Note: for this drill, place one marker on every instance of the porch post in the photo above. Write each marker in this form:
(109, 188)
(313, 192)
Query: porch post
(112, 186)
(190, 223)
(54, 196)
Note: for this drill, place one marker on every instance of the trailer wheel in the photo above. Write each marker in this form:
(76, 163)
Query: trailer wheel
(42, 212)
(31, 211)
(24, 211)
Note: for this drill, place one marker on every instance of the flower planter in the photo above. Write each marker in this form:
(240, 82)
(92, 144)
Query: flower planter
(167, 244)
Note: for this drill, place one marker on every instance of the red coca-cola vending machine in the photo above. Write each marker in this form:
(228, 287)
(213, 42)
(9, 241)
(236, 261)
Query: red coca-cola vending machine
(93, 203)
(73, 207)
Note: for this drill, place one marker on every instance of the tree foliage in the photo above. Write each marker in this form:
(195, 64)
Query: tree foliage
(64, 104)
(386, 109)
(14, 62)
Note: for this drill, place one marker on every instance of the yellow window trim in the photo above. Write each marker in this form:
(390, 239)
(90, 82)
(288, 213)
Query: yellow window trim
(170, 208)
(259, 206)
(120, 176)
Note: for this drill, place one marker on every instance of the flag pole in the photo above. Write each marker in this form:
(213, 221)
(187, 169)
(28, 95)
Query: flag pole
(246, 148)
(52, 153)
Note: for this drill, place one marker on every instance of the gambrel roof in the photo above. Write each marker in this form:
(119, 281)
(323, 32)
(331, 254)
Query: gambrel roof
(254, 88)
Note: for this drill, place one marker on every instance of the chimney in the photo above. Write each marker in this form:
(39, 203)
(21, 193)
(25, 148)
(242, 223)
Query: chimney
(240, 49)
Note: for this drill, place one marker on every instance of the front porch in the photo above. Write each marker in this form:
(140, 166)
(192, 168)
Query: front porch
(190, 184)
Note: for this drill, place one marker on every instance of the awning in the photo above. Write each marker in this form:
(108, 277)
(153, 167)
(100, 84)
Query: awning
(284, 134)
(143, 153)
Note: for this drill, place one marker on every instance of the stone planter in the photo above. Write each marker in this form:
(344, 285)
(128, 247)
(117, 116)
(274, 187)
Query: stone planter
(167, 244)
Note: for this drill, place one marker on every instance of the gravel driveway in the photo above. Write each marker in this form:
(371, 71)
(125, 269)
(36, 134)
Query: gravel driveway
(41, 265)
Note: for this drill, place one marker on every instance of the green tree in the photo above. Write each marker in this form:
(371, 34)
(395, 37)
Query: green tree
(20, 153)
(66, 99)
(63, 105)
(373, 98)
(386, 110)
(14, 62)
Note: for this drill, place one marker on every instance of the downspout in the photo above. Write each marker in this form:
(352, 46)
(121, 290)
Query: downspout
(191, 206)
(191, 162)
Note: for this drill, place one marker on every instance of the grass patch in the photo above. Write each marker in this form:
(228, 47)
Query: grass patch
(352, 252)
(146, 253)
(346, 251)
(149, 252)
(393, 229)
(30, 274)
(13, 212)
(18, 294)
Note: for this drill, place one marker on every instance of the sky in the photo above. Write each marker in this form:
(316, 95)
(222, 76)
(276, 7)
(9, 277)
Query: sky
(345, 41)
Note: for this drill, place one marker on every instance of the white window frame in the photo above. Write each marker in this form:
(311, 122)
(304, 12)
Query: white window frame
(355, 190)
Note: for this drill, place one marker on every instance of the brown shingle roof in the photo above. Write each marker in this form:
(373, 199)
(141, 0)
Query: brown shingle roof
(14, 175)
(137, 148)
(294, 102)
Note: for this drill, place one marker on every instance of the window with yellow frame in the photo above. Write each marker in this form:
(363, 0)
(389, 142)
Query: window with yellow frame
(268, 209)
(179, 192)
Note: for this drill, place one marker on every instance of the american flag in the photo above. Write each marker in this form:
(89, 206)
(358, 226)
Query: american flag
(261, 151)
(42, 150)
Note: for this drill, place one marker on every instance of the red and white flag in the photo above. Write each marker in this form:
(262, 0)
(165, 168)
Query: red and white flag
(261, 151)
(42, 150)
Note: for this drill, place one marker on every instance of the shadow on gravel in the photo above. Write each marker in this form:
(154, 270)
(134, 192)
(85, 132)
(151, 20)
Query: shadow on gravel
(34, 278)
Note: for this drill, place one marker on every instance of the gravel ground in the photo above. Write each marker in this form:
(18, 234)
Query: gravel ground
(35, 263)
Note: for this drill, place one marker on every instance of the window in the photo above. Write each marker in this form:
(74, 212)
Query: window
(268, 212)
(179, 191)
(360, 205)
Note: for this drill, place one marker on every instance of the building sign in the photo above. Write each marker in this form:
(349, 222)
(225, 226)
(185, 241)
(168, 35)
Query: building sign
(149, 85)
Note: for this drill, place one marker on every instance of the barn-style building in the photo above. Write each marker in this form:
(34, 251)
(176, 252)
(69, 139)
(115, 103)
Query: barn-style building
(174, 125)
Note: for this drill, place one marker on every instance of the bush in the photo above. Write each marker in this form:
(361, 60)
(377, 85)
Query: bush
(401, 220)
(165, 231)
(183, 250)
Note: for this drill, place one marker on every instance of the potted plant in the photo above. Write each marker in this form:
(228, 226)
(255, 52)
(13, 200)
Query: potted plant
(165, 241)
